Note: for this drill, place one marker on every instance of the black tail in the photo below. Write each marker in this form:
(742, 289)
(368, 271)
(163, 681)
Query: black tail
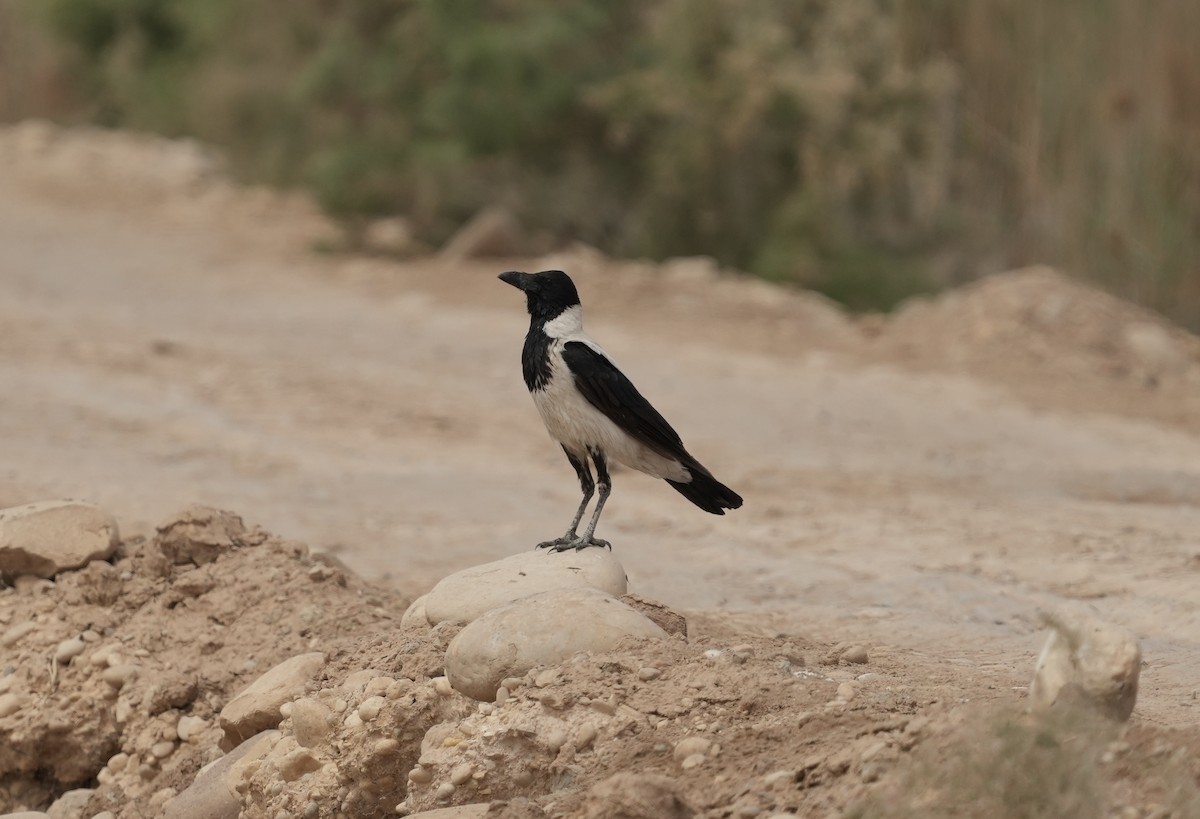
(706, 491)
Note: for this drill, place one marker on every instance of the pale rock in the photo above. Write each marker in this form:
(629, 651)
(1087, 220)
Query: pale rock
(544, 629)
(293, 761)
(190, 726)
(854, 654)
(256, 708)
(71, 804)
(414, 616)
(369, 708)
(10, 704)
(49, 537)
(1088, 659)
(16, 633)
(199, 534)
(312, 721)
(465, 595)
(690, 746)
(211, 795)
(25, 814)
(68, 650)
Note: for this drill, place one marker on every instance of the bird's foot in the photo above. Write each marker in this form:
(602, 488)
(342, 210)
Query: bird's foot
(573, 541)
(579, 543)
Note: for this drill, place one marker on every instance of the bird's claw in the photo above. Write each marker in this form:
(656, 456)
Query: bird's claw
(563, 544)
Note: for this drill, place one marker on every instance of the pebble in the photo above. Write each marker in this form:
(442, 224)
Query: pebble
(586, 736)
(501, 695)
(846, 691)
(10, 704)
(162, 750)
(855, 654)
(14, 634)
(691, 746)
(693, 761)
(370, 708)
(378, 686)
(461, 773)
(68, 650)
(648, 673)
(118, 676)
(555, 738)
(444, 792)
(779, 776)
(547, 677)
(386, 746)
(442, 686)
(117, 762)
(420, 775)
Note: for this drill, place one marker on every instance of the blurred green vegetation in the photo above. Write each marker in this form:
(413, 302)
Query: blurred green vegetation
(867, 148)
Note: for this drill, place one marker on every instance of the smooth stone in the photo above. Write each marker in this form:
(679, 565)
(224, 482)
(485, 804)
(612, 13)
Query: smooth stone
(544, 629)
(48, 537)
(256, 708)
(68, 650)
(311, 721)
(1087, 659)
(465, 595)
(25, 814)
(189, 726)
(71, 804)
(690, 746)
(10, 704)
(16, 633)
(414, 616)
(210, 796)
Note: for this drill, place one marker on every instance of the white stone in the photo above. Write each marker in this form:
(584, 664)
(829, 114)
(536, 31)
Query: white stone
(49, 537)
(256, 708)
(544, 629)
(690, 746)
(311, 721)
(71, 804)
(1088, 658)
(189, 726)
(465, 595)
(68, 650)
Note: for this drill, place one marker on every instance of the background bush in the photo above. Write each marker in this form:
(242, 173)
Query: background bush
(867, 148)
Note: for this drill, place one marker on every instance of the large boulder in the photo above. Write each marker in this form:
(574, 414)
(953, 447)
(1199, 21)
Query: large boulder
(49, 537)
(465, 595)
(543, 629)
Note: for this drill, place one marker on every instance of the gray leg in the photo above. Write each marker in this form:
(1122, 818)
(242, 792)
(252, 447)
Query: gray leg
(604, 487)
(589, 488)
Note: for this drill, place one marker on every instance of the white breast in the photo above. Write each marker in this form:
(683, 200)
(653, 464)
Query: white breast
(577, 425)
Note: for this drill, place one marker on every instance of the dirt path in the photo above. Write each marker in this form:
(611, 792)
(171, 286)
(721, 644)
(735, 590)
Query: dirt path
(155, 353)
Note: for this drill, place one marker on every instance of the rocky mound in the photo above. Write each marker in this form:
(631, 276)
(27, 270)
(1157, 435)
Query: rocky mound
(216, 671)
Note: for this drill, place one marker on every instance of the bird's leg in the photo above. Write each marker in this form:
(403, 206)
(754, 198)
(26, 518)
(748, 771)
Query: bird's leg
(589, 488)
(604, 486)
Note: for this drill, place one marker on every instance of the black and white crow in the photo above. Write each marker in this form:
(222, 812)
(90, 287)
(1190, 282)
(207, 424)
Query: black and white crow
(593, 410)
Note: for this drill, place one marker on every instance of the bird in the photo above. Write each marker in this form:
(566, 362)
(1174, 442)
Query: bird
(595, 413)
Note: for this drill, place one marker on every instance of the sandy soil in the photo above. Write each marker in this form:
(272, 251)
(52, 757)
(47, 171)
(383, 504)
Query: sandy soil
(921, 485)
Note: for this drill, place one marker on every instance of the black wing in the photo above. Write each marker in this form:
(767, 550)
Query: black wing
(612, 393)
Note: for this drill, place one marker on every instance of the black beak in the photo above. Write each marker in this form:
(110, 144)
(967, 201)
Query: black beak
(521, 281)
